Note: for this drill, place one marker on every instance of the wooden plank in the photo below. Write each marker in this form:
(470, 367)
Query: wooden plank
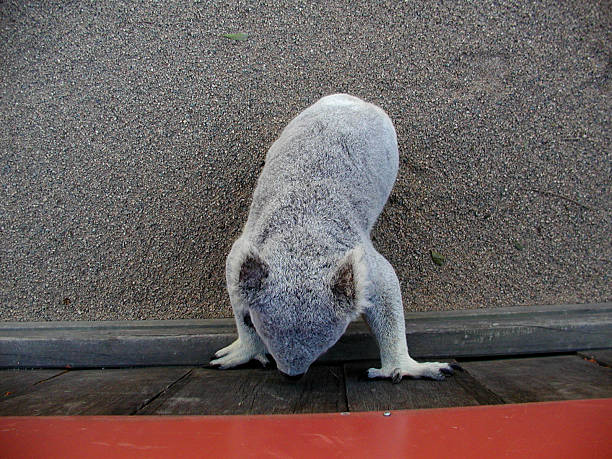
(117, 391)
(509, 331)
(19, 382)
(93, 344)
(542, 378)
(485, 332)
(87, 349)
(253, 391)
(364, 394)
(601, 356)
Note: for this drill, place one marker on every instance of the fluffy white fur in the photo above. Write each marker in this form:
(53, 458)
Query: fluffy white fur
(304, 266)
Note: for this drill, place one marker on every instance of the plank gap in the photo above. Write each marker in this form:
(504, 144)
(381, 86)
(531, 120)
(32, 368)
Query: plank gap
(601, 357)
(93, 392)
(51, 377)
(160, 393)
(482, 394)
(252, 391)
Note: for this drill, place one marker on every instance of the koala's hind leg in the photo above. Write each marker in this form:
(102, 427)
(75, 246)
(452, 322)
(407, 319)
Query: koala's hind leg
(247, 347)
(386, 319)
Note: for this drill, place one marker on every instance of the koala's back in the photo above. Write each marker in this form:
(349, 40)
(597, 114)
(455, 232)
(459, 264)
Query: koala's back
(335, 162)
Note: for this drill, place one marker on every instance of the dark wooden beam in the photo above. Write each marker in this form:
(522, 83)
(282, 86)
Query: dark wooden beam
(451, 334)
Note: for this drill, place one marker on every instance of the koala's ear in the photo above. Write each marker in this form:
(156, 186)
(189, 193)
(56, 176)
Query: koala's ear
(350, 282)
(253, 272)
(344, 280)
(245, 270)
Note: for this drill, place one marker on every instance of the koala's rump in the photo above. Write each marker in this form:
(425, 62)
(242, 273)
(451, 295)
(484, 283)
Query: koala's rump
(338, 156)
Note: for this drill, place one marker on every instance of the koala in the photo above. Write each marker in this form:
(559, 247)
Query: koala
(304, 266)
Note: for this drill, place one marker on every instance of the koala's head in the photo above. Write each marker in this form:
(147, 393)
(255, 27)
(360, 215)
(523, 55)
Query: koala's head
(299, 311)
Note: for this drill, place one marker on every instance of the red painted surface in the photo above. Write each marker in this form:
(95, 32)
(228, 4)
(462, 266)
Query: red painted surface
(572, 429)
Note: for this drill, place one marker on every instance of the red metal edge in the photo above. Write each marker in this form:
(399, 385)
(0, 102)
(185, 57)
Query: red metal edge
(578, 428)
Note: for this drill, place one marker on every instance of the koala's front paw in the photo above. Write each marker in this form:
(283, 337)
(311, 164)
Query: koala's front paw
(414, 369)
(238, 353)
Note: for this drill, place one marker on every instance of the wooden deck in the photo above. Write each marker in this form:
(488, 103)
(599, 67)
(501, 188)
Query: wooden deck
(185, 390)
(509, 356)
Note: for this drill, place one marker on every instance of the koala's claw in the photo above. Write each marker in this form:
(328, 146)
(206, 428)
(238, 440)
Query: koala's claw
(427, 370)
(230, 361)
(236, 354)
(447, 371)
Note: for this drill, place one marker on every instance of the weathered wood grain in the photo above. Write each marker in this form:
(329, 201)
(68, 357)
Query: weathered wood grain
(449, 334)
(364, 394)
(253, 391)
(601, 356)
(117, 391)
(477, 390)
(537, 379)
(19, 382)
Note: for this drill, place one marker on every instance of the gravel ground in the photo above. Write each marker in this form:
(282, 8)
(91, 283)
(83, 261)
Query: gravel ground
(132, 134)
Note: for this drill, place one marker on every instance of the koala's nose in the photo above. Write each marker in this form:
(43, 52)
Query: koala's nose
(292, 377)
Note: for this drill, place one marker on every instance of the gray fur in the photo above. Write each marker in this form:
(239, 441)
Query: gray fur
(304, 266)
